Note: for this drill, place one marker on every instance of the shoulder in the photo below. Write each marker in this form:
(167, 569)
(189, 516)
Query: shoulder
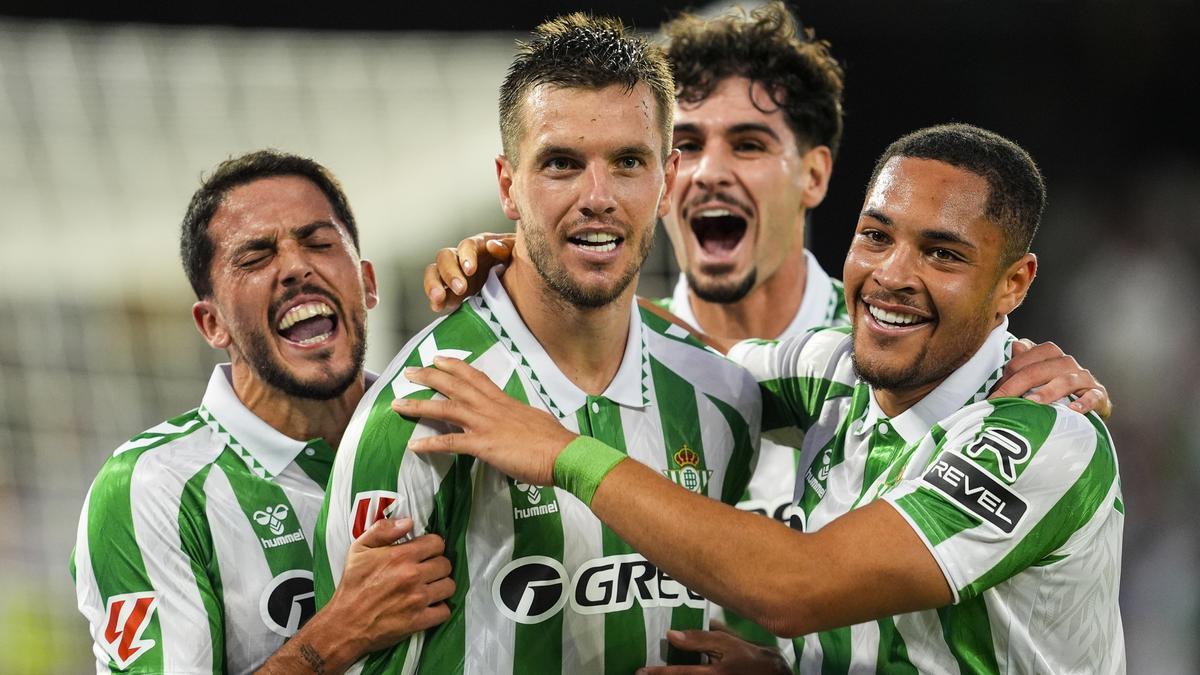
(704, 368)
(1013, 436)
(820, 353)
(167, 454)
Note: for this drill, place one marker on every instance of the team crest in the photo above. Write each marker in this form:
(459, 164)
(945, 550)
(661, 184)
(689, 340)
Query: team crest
(690, 475)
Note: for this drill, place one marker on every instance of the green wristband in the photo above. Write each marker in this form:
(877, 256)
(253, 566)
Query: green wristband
(583, 464)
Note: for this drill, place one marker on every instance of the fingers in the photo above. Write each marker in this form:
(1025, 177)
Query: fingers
(430, 617)
(384, 532)
(1051, 375)
(1093, 400)
(1026, 353)
(698, 640)
(467, 253)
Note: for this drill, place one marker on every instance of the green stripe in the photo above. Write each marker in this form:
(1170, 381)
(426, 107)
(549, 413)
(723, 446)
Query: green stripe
(1033, 421)
(835, 651)
(537, 648)
(625, 630)
(319, 464)
(893, 653)
(935, 515)
(968, 635)
(833, 454)
(738, 471)
(196, 538)
(257, 496)
(113, 547)
(797, 401)
(680, 420)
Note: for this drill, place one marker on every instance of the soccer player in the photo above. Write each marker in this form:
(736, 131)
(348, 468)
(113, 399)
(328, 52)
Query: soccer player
(758, 121)
(942, 532)
(543, 587)
(194, 550)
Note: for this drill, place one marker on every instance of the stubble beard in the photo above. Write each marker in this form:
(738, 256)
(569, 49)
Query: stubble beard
(722, 292)
(328, 386)
(559, 280)
(926, 367)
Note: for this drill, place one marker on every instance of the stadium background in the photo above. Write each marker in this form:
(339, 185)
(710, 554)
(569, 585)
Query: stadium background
(109, 115)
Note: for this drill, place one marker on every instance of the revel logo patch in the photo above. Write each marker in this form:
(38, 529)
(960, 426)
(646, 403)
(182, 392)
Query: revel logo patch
(288, 602)
(1011, 449)
(127, 617)
(976, 491)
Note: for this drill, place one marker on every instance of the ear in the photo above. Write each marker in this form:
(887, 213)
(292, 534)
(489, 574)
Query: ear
(670, 171)
(1015, 283)
(370, 287)
(816, 168)
(209, 323)
(504, 175)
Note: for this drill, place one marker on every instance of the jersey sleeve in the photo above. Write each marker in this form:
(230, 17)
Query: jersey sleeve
(796, 376)
(141, 577)
(1011, 484)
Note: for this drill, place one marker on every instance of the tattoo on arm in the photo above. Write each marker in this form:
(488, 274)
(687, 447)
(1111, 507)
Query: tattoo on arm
(313, 659)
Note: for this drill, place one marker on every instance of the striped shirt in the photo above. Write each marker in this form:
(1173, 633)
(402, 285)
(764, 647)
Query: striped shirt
(771, 487)
(193, 553)
(1019, 503)
(542, 586)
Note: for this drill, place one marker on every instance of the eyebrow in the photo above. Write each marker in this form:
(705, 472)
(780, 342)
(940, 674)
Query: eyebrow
(268, 242)
(638, 150)
(556, 151)
(948, 236)
(759, 127)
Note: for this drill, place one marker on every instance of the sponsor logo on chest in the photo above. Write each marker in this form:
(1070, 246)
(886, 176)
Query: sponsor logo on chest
(532, 589)
(530, 501)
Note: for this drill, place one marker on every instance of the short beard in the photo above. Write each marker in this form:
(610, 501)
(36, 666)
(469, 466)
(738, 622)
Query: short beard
(723, 294)
(560, 281)
(270, 370)
(910, 378)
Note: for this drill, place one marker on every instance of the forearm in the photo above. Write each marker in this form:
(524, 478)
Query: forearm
(864, 565)
(324, 645)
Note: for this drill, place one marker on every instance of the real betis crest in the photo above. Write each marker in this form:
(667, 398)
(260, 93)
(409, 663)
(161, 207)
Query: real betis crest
(689, 475)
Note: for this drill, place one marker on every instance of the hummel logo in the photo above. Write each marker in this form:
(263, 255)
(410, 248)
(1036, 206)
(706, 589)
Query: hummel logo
(533, 492)
(273, 517)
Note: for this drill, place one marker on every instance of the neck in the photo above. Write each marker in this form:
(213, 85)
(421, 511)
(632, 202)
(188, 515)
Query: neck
(298, 418)
(586, 343)
(765, 312)
(894, 402)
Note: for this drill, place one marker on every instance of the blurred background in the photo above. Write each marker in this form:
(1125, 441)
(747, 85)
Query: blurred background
(109, 115)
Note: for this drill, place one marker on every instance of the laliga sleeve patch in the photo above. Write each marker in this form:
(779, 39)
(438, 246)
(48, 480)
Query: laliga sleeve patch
(976, 491)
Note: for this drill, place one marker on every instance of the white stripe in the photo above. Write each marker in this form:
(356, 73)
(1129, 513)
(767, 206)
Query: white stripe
(489, 544)
(155, 489)
(923, 640)
(163, 429)
(864, 648)
(244, 576)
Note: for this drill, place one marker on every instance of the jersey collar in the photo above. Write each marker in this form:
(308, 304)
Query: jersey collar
(970, 383)
(814, 311)
(627, 388)
(265, 450)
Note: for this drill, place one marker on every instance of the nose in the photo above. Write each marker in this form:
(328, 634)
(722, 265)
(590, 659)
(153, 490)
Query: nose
(896, 271)
(597, 198)
(711, 170)
(294, 266)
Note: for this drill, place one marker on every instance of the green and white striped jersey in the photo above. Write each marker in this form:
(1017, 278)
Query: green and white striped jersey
(542, 586)
(772, 486)
(1019, 503)
(194, 547)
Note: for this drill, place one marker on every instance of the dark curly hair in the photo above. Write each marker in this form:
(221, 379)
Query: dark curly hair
(584, 51)
(768, 48)
(1016, 190)
(196, 247)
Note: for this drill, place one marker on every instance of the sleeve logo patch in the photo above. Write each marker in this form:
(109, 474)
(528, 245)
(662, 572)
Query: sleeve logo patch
(976, 491)
(127, 617)
(1011, 449)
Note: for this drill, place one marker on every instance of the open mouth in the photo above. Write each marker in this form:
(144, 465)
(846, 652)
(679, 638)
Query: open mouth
(308, 323)
(890, 319)
(718, 230)
(600, 242)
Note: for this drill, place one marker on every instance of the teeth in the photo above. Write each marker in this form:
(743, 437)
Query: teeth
(715, 213)
(893, 317)
(314, 339)
(599, 237)
(306, 311)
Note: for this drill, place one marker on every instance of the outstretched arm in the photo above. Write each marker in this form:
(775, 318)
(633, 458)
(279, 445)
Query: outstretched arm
(800, 582)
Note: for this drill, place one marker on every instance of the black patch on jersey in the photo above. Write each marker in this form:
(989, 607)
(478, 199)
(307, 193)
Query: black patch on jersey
(532, 591)
(977, 491)
(288, 602)
(1010, 448)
